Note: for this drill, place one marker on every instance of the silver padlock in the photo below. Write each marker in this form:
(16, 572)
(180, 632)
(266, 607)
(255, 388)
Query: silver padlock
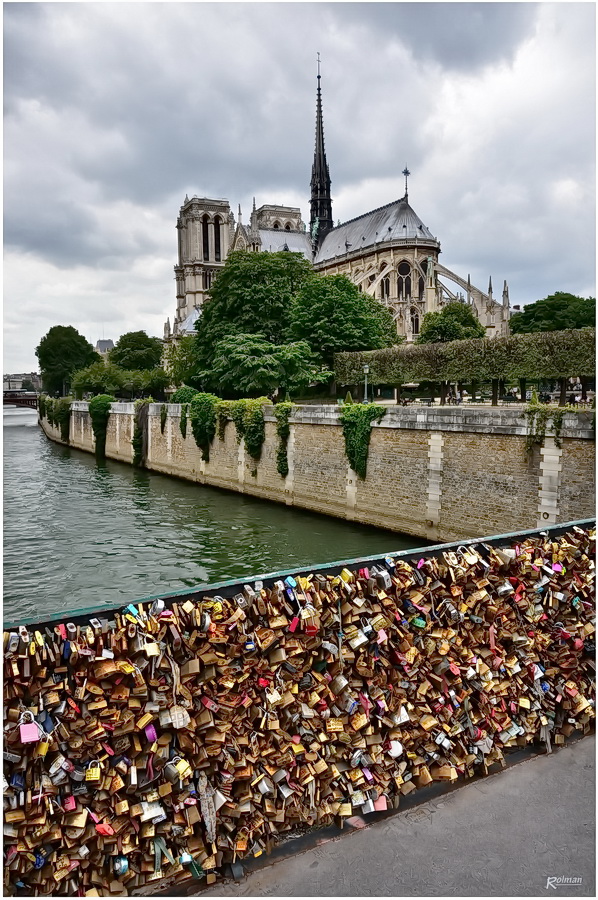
(171, 773)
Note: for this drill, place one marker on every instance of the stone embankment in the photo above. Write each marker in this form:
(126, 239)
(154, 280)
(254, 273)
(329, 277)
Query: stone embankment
(440, 473)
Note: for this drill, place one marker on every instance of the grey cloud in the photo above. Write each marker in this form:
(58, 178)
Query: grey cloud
(458, 36)
(115, 111)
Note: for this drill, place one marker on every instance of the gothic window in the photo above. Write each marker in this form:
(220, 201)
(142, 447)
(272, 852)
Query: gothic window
(385, 288)
(404, 281)
(207, 280)
(421, 289)
(414, 320)
(206, 240)
(287, 227)
(276, 226)
(217, 251)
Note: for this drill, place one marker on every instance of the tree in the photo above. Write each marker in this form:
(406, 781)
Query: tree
(180, 360)
(557, 312)
(100, 377)
(332, 315)
(104, 377)
(249, 365)
(251, 295)
(387, 324)
(455, 322)
(60, 353)
(27, 385)
(135, 350)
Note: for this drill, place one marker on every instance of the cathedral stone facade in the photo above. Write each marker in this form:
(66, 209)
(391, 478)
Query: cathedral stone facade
(388, 253)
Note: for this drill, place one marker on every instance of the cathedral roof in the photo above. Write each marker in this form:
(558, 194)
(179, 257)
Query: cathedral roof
(275, 239)
(188, 326)
(394, 222)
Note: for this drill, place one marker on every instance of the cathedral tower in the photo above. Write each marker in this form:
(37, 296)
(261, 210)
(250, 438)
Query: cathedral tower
(320, 204)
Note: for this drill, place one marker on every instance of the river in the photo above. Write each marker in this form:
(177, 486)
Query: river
(78, 533)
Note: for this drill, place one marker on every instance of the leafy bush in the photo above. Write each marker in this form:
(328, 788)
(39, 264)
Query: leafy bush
(356, 419)
(99, 411)
(184, 394)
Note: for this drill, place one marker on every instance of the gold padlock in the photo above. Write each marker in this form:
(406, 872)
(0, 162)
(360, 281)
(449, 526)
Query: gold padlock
(93, 772)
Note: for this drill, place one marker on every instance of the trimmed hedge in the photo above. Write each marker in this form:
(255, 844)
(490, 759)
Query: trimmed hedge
(546, 354)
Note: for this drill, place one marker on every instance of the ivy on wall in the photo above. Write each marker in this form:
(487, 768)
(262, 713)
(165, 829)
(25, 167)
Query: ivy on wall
(62, 416)
(209, 414)
(223, 414)
(548, 354)
(163, 417)
(139, 439)
(183, 419)
(255, 427)
(282, 414)
(238, 416)
(202, 412)
(538, 416)
(99, 411)
(356, 419)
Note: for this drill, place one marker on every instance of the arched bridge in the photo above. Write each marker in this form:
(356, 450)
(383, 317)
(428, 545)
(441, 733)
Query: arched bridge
(21, 398)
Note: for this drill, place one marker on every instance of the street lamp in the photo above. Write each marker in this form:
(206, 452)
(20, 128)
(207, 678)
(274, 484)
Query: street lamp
(366, 369)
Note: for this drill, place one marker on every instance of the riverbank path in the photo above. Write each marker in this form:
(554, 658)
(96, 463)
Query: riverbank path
(506, 835)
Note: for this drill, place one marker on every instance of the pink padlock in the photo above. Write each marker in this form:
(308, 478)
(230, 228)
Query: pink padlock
(29, 731)
(69, 803)
(151, 733)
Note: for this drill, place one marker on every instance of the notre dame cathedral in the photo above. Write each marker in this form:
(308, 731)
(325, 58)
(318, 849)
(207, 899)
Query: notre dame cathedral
(387, 252)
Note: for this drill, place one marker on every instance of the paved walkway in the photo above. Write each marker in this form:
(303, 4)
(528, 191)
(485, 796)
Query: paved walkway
(506, 835)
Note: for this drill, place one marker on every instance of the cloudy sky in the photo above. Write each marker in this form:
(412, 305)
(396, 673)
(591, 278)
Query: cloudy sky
(114, 111)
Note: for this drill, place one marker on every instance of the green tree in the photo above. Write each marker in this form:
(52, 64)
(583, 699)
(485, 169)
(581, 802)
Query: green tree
(332, 315)
(27, 385)
(557, 312)
(106, 378)
(180, 360)
(135, 350)
(60, 353)
(99, 378)
(387, 324)
(455, 322)
(249, 365)
(251, 295)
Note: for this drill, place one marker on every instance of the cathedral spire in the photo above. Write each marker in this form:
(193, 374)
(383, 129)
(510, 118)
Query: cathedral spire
(321, 203)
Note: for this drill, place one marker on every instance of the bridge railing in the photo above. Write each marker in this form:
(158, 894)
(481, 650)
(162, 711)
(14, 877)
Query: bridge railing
(235, 586)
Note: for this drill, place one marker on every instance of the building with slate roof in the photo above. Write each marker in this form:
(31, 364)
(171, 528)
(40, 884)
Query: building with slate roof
(387, 252)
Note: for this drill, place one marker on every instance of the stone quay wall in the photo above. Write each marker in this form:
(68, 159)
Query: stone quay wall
(439, 473)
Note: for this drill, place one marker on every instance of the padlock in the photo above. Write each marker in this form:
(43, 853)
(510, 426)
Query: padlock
(93, 771)
(29, 730)
(171, 772)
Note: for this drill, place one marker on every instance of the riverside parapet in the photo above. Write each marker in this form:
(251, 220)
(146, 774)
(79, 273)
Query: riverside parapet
(440, 473)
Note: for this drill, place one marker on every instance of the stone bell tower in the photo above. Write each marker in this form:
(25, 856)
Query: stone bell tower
(205, 228)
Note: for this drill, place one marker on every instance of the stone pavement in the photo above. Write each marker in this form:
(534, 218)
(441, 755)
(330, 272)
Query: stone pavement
(505, 835)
